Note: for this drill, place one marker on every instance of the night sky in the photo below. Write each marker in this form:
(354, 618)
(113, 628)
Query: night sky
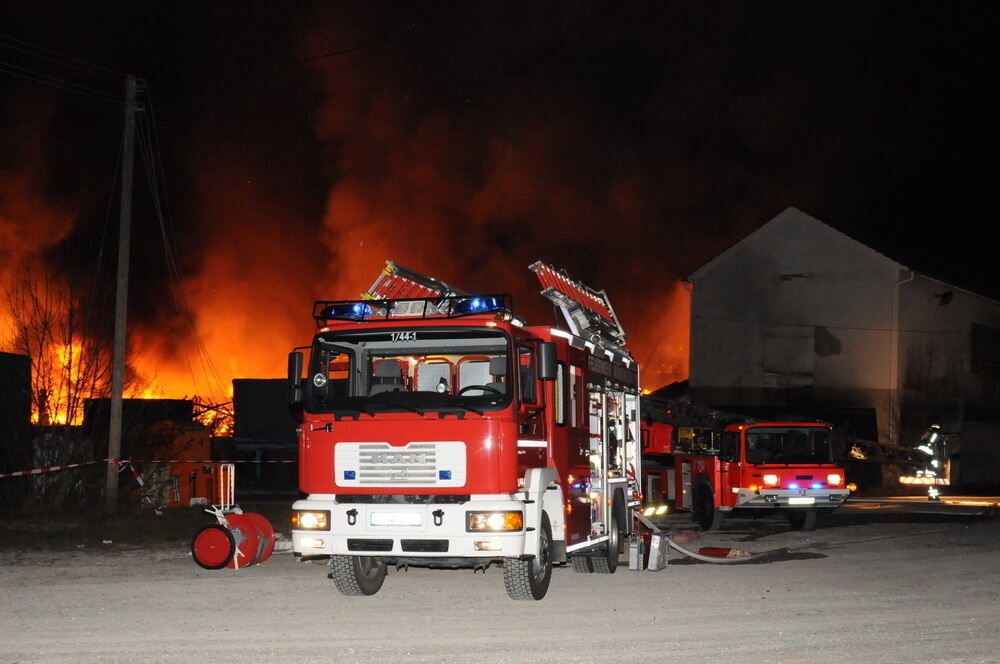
(626, 142)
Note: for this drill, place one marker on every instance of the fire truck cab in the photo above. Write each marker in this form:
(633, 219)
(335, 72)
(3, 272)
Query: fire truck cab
(786, 466)
(443, 432)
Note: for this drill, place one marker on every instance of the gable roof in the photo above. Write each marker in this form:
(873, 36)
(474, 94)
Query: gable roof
(794, 215)
(790, 215)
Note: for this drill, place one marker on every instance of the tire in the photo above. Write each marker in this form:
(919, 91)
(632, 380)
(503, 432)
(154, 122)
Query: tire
(802, 519)
(608, 563)
(706, 513)
(357, 575)
(529, 579)
(581, 564)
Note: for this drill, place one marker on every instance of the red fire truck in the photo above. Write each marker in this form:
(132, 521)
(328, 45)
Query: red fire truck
(439, 430)
(715, 470)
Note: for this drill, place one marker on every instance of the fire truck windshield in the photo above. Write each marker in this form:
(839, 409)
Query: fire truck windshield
(786, 445)
(409, 370)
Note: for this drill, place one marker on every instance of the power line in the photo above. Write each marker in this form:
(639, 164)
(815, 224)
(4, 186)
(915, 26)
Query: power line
(362, 47)
(342, 52)
(41, 52)
(63, 84)
(91, 297)
(149, 144)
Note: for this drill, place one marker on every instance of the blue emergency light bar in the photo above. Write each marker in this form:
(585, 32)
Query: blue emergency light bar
(347, 311)
(429, 307)
(477, 305)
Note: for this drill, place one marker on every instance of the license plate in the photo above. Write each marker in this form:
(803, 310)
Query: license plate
(801, 500)
(394, 518)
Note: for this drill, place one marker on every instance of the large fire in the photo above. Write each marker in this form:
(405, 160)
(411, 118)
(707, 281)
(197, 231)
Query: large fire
(246, 314)
(236, 340)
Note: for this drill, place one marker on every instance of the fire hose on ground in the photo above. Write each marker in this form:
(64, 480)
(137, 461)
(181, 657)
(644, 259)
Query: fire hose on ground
(653, 556)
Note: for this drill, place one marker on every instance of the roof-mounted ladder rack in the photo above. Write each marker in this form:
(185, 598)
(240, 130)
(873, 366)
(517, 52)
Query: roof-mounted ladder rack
(588, 313)
(396, 282)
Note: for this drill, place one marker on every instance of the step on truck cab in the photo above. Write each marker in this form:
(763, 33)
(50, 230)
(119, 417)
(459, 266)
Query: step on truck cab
(441, 431)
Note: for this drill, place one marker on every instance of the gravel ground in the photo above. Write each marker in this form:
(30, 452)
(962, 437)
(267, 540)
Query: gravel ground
(880, 589)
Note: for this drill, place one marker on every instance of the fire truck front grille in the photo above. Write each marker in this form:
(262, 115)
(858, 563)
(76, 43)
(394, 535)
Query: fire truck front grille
(417, 464)
(424, 546)
(369, 545)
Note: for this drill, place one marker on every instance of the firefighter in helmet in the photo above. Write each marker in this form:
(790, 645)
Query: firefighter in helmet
(928, 458)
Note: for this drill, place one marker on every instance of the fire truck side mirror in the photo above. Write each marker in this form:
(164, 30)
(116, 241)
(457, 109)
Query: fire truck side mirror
(547, 360)
(295, 375)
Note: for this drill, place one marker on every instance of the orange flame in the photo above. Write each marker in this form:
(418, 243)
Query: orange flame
(662, 343)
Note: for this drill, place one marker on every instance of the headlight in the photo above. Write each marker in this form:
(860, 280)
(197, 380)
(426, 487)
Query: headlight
(771, 480)
(311, 520)
(312, 543)
(834, 478)
(494, 521)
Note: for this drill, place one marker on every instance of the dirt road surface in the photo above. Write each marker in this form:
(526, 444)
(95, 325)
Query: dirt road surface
(884, 589)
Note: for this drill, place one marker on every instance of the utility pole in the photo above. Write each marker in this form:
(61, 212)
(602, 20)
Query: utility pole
(121, 300)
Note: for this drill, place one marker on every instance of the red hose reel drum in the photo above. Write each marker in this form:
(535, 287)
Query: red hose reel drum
(265, 536)
(243, 540)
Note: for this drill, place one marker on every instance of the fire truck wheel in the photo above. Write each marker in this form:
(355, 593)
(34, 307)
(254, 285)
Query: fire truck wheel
(582, 564)
(802, 519)
(357, 575)
(529, 579)
(705, 512)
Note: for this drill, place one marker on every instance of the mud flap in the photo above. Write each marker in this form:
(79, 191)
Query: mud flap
(536, 482)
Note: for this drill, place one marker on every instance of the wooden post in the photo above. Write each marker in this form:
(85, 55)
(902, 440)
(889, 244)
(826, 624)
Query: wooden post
(121, 300)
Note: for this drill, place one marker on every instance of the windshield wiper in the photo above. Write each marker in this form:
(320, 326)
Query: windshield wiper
(468, 409)
(356, 409)
(393, 404)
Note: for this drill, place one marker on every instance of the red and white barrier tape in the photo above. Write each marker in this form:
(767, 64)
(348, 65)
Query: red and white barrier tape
(52, 469)
(213, 461)
(138, 478)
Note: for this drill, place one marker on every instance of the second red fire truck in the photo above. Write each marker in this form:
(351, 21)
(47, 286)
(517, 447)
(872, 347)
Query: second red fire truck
(439, 430)
(715, 469)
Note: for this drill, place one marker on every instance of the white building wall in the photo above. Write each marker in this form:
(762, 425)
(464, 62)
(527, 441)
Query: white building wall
(794, 304)
(935, 367)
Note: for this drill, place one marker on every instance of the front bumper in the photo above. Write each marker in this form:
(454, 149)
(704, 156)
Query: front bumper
(792, 498)
(407, 530)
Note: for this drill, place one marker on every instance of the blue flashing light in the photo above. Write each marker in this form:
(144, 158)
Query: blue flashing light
(444, 474)
(356, 310)
(472, 305)
(793, 485)
(817, 485)
(350, 474)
